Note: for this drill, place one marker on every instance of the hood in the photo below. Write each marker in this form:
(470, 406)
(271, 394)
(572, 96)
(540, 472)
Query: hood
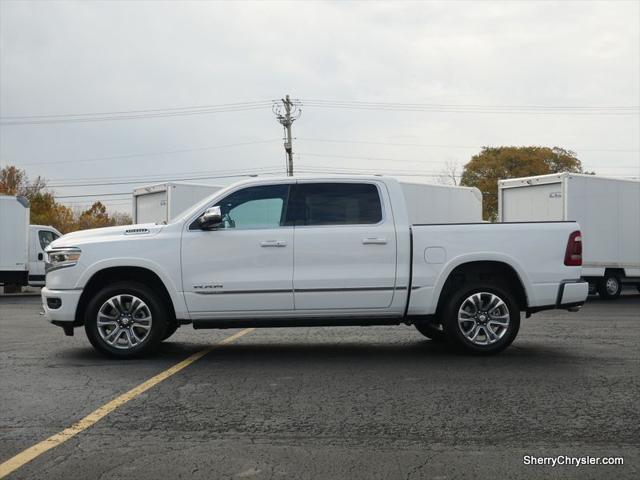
(107, 233)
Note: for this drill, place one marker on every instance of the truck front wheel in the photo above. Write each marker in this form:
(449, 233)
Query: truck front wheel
(609, 286)
(481, 319)
(125, 320)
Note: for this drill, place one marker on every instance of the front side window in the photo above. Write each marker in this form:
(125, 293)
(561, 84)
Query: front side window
(46, 237)
(337, 204)
(254, 207)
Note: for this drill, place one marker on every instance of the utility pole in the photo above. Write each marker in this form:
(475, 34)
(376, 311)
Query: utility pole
(287, 111)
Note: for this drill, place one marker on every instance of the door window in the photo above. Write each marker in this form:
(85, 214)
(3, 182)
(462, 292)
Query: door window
(336, 204)
(46, 237)
(254, 207)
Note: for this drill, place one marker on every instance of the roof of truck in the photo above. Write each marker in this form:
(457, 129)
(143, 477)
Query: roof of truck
(557, 176)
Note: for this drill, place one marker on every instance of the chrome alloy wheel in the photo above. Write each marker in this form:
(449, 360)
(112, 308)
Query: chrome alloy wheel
(483, 318)
(124, 321)
(612, 285)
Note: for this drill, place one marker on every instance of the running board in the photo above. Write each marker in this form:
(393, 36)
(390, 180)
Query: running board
(295, 322)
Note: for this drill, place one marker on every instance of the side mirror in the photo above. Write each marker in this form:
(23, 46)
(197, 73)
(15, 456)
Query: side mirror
(210, 219)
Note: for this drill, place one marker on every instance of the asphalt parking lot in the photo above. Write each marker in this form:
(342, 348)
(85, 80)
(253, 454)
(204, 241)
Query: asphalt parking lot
(347, 403)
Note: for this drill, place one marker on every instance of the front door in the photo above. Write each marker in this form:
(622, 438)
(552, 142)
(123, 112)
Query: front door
(39, 239)
(246, 265)
(345, 246)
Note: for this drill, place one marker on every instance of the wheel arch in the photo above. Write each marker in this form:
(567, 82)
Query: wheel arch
(122, 273)
(480, 271)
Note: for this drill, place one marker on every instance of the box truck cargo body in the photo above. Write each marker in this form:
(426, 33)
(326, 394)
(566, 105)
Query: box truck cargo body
(161, 202)
(14, 243)
(430, 204)
(22, 245)
(607, 209)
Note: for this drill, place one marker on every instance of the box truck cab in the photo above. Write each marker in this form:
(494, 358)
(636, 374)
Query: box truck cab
(40, 236)
(22, 256)
(608, 210)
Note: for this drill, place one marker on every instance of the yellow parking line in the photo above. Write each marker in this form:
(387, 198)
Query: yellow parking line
(39, 448)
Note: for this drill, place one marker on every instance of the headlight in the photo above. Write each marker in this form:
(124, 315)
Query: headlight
(62, 257)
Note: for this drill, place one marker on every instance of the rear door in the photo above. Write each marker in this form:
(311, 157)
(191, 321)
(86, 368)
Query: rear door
(345, 246)
(533, 203)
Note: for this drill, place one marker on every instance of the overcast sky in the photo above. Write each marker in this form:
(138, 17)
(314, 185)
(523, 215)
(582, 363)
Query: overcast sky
(61, 58)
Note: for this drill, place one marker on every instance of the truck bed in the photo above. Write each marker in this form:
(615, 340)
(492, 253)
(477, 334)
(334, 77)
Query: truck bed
(534, 250)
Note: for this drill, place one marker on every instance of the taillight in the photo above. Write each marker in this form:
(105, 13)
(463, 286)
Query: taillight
(573, 255)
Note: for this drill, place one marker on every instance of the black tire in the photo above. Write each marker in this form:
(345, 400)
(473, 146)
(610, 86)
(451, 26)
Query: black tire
(483, 320)
(155, 307)
(432, 331)
(171, 329)
(609, 287)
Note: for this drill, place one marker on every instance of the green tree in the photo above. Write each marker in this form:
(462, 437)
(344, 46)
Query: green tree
(492, 164)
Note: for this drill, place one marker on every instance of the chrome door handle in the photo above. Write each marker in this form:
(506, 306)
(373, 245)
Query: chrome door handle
(374, 241)
(273, 243)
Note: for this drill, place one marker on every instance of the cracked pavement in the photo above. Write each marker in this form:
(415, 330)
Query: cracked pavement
(369, 403)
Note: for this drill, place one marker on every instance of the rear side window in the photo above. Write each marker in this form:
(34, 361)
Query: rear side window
(336, 204)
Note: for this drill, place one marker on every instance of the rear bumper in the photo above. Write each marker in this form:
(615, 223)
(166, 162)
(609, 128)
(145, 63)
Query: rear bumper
(68, 300)
(571, 296)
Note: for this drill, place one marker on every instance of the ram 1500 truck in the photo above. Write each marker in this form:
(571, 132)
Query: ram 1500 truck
(310, 251)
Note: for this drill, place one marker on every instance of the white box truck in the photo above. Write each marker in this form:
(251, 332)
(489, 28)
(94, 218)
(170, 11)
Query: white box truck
(428, 203)
(607, 209)
(22, 259)
(161, 202)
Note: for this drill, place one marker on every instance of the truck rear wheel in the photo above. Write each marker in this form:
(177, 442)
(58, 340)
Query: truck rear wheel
(609, 286)
(432, 331)
(481, 319)
(125, 320)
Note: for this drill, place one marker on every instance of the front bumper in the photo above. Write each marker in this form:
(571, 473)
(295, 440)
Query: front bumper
(66, 312)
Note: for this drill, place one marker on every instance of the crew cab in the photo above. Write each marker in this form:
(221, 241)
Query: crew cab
(311, 251)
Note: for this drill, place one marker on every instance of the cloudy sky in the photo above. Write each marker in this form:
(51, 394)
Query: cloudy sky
(476, 73)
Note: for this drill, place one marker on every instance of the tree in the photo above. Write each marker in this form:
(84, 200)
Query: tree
(449, 175)
(94, 217)
(14, 181)
(492, 164)
(46, 211)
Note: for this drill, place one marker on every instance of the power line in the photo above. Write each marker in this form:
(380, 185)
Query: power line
(246, 173)
(67, 182)
(396, 144)
(154, 154)
(156, 181)
(474, 105)
(475, 108)
(374, 159)
(128, 112)
(84, 118)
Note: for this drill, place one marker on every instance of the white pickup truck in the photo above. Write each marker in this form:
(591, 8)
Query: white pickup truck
(311, 251)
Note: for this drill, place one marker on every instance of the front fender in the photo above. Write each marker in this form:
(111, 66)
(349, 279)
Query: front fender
(167, 279)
